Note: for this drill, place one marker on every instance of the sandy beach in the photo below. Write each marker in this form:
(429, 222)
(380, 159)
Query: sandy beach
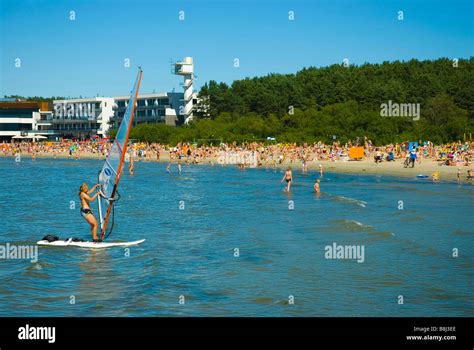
(365, 166)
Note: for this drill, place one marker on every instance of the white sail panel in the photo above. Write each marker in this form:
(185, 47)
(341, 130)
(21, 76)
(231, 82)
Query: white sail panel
(109, 176)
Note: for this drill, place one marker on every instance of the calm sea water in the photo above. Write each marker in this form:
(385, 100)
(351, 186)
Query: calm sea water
(191, 252)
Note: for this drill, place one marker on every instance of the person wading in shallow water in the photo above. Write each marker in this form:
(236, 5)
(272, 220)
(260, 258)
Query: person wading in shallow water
(288, 177)
(316, 186)
(86, 211)
(131, 167)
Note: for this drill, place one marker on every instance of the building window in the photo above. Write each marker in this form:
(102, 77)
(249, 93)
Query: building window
(14, 127)
(16, 113)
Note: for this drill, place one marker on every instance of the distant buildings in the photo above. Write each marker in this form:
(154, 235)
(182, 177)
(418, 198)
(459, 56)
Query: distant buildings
(150, 108)
(24, 120)
(185, 68)
(85, 117)
(82, 118)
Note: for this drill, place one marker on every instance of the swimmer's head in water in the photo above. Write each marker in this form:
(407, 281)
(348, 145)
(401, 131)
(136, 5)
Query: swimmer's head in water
(83, 188)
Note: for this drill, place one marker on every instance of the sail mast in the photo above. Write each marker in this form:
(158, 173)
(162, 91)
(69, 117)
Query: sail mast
(117, 149)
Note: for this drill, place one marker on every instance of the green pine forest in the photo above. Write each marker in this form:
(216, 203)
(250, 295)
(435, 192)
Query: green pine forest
(335, 100)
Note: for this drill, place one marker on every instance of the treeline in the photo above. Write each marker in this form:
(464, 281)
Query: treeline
(36, 98)
(442, 122)
(334, 102)
(369, 85)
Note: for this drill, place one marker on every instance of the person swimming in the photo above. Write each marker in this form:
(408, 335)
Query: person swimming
(288, 177)
(86, 211)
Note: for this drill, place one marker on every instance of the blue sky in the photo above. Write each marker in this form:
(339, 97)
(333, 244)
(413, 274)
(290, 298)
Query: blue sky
(85, 57)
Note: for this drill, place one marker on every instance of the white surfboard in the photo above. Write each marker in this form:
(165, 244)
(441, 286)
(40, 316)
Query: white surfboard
(91, 245)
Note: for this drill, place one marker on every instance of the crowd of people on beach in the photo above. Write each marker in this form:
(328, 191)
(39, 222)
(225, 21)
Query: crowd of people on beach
(255, 154)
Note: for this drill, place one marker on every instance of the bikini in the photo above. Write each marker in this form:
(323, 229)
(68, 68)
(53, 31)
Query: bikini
(85, 212)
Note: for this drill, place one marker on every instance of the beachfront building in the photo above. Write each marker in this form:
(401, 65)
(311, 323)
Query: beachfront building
(150, 108)
(82, 118)
(85, 117)
(171, 108)
(185, 68)
(26, 120)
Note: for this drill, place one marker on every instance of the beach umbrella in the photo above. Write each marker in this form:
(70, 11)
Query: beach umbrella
(18, 137)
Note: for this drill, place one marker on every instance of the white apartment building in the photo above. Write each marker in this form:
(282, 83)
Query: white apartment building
(83, 117)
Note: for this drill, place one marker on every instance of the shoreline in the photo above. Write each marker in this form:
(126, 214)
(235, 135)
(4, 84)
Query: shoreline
(362, 167)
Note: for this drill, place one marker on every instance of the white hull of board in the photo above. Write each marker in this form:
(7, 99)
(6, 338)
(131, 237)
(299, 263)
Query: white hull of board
(90, 245)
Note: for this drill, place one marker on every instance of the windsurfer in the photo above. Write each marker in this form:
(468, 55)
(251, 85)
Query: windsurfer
(86, 211)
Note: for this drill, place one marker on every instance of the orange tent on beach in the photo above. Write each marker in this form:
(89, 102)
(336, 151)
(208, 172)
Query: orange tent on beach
(356, 153)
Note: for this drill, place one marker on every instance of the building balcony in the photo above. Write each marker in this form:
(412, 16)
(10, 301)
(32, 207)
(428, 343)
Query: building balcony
(45, 132)
(87, 130)
(74, 120)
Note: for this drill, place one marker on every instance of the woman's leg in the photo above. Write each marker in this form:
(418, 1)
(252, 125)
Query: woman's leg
(93, 222)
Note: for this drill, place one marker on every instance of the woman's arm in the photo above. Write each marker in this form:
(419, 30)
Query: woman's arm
(88, 198)
(94, 196)
(93, 189)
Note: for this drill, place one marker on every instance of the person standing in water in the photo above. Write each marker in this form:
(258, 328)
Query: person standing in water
(316, 186)
(320, 170)
(131, 166)
(288, 177)
(86, 211)
(179, 164)
(469, 176)
(459, 176)
(304, 163)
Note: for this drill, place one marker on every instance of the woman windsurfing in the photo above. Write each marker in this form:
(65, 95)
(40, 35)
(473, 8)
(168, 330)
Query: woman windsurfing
(86, 211)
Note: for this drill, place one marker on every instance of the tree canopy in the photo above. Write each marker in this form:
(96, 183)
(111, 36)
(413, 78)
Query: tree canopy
(320, 103)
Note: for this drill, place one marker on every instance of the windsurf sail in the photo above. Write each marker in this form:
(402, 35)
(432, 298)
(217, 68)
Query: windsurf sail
(109, 176)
